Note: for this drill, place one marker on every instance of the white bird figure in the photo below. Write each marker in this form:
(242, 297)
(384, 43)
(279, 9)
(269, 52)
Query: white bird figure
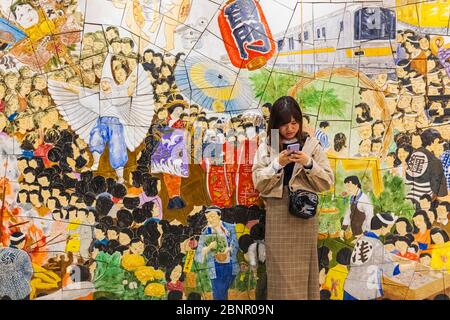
(119, 114)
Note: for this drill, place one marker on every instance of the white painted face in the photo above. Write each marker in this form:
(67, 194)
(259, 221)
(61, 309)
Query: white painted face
(26, 15)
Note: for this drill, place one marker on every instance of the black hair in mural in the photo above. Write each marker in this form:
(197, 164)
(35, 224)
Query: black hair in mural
(365, 112)
(429, 136)
(340, 141)
(131, 203)
(379, 221)
(440, 231)
(325, 294)
(354, 180)
(408, 226)
(175, 295)
(244, 242)
(103, 205)
(98, 185)
(343, 256)
(124, 218)
(322, 253)
(194, 296)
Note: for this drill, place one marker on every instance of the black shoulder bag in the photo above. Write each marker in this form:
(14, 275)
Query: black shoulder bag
(303, 203)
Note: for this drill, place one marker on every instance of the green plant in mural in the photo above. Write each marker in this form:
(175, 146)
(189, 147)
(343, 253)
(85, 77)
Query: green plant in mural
(392, 198)
(108, 276)
(332, 210)
(326, 101)
(221, 243)
(270, 86)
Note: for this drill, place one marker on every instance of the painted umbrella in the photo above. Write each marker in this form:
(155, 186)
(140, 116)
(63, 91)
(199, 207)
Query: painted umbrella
(212, 85)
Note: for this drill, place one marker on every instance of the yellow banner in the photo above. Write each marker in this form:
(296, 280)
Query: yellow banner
(189, 261)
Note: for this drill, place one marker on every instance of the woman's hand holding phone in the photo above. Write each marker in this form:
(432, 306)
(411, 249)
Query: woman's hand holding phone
(300, 157)
(284, 157)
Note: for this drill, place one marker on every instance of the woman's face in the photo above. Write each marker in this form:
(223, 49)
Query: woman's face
(51, 204)
(419, 221)
(165, 72)
(437, 238)
(56, 216)
(424, 44)
(121, 75)
(378, 130)
(162, 115)
(289, 131)
(157, 61)
(401, 227)
(176, 273)
(22, 197)
(148, 57)
(11, 81)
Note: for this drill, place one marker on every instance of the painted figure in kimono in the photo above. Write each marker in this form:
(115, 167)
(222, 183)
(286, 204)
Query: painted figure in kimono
(118, 114)
(171, 156)
(425, 174)
(370, 261)
(246, 194)
(40, 26)
(442, 51)
(219, 164)
(16, 269)
(218, 247)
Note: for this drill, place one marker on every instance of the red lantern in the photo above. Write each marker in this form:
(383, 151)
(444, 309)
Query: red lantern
(246, 34)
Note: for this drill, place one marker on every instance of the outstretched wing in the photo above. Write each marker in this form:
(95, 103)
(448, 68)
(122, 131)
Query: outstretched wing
(136, 116)
(80, 110)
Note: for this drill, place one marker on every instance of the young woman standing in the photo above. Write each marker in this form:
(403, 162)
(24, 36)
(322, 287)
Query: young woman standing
(291, 242)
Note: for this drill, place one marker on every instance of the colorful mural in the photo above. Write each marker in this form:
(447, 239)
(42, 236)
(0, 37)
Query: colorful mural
(128, 131)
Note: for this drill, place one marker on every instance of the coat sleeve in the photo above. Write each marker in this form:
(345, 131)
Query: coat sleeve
(320, 175)
(265, 177)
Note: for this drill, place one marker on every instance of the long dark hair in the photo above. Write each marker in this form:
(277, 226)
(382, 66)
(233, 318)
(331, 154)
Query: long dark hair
(340, 141)
(283, 110)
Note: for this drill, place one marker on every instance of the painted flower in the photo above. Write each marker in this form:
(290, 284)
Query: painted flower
(155, 290)
(131, 262)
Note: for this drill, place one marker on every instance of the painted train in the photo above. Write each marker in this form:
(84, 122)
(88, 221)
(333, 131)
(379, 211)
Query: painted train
(359, 36)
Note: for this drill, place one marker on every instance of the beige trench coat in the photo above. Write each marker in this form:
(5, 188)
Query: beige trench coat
(291, 242)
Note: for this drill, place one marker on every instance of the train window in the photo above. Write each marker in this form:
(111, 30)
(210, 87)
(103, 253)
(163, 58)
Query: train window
(291, 43)
(323, 32)
(374, 24)
(280, 44)
(318, 33)
(305, 36)
(341, 26)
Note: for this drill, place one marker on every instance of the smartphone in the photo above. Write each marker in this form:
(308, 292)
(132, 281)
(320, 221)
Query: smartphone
(293, 147)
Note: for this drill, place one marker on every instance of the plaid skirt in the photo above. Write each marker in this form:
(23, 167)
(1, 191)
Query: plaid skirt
(291, 253)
